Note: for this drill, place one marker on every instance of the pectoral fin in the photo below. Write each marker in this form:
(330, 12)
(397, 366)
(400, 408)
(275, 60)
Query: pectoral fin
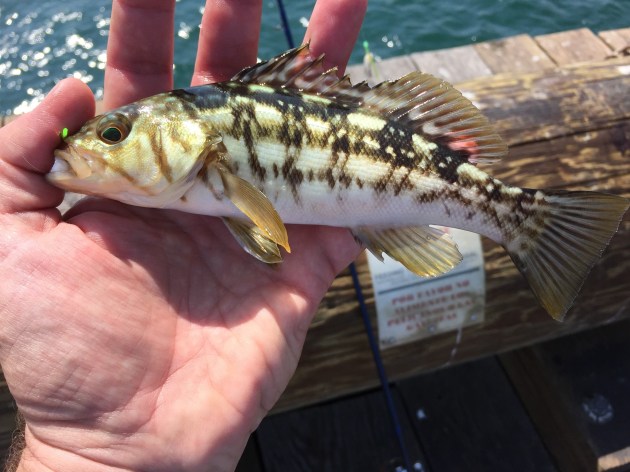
(253, 241)
(423, 250)
(255, 205)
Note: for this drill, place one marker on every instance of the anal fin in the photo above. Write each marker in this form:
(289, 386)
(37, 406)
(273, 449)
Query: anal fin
(253, 240)
(425, 251)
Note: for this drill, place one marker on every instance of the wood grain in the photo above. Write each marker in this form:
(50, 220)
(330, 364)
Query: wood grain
(568, 128)
(387, 69)
(353, 434)
(453, 65)
(473, 409)
(569, 47)
(576, 390)
(617, 40)
(517, 54)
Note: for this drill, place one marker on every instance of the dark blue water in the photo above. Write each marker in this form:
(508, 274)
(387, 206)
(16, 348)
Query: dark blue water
(44, 41)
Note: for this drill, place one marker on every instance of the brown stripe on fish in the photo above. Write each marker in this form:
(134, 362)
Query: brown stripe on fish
(291, 133)
(515, 208)
(336, 139)
(363, 136)
(293, 176)
(245, 126)
(159, 152)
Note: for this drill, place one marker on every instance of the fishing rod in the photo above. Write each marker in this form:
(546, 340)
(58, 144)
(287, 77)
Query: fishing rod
(376, 354)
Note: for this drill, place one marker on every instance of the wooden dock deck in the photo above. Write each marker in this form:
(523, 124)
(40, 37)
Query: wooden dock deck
(562, 102)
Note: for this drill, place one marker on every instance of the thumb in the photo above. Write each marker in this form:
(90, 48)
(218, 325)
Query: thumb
(28, 144)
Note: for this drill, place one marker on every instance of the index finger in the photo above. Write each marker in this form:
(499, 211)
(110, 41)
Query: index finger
(139, 50)
(333, 29)
(228, 40)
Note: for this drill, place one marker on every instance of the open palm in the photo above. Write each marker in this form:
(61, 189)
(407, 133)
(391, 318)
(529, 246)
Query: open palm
(142, 339)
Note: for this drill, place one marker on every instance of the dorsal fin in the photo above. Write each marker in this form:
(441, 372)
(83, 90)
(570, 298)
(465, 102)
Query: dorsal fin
(430, 106)
(438, 111)
(297, 70)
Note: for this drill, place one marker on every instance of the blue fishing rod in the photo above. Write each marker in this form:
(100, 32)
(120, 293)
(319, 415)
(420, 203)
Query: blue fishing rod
(376, 353)
(285, 24)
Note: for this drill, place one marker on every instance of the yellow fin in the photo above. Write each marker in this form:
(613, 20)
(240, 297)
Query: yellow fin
(253, 241)
(423, 250)
(577, 229)
(255, 205)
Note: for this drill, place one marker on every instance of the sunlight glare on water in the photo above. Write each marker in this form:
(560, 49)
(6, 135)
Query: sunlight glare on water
(39, 47)
(42, 42)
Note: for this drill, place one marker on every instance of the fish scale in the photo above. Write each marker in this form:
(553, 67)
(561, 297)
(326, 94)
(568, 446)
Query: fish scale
(335, 144)
(287, 141)
(344, 155)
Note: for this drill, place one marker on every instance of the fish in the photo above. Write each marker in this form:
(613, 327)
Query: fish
(287, 141)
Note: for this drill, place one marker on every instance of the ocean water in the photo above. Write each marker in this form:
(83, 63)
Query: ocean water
(44, 41)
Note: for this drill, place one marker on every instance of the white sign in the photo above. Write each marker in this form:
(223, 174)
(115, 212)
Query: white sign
(410, 307)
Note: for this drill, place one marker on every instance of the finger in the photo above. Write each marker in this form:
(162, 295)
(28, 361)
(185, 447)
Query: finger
(334, 28)
(139, 50)
(228, 40)
(28, 143)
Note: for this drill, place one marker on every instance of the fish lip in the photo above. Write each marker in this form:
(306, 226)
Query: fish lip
(62, 161)
(69, 164)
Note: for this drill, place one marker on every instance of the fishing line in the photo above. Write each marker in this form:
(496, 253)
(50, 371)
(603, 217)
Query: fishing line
(382, 375)
(285, 24)
(364, 312)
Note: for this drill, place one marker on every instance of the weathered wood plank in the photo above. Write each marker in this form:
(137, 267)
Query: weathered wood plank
(250, 460)
(517, 54)
(352, 434)
(576, 390)
(573, 46)
(555, 142)
(548, 411)
(453, 65)
(387, 69)
(469, 418)
(539, 106)
(617, 40)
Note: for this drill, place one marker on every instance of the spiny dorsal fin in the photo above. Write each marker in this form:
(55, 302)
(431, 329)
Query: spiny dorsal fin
(297, 70)
(436, 110)
(432, 107)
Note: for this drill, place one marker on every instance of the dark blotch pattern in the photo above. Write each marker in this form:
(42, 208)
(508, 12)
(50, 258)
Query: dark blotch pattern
(392, 144)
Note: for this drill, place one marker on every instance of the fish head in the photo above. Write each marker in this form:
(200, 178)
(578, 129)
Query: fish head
(138, 154)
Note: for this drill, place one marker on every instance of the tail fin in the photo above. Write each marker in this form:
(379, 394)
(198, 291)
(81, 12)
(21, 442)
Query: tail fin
(575, 233)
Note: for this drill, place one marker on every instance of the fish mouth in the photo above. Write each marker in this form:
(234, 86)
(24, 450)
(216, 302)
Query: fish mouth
(69, 164)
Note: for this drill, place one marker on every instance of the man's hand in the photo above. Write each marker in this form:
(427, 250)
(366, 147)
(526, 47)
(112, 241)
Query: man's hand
(139, 339)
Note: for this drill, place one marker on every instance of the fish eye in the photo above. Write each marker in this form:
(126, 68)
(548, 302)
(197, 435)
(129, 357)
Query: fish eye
(112, 134)
(113, 129)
